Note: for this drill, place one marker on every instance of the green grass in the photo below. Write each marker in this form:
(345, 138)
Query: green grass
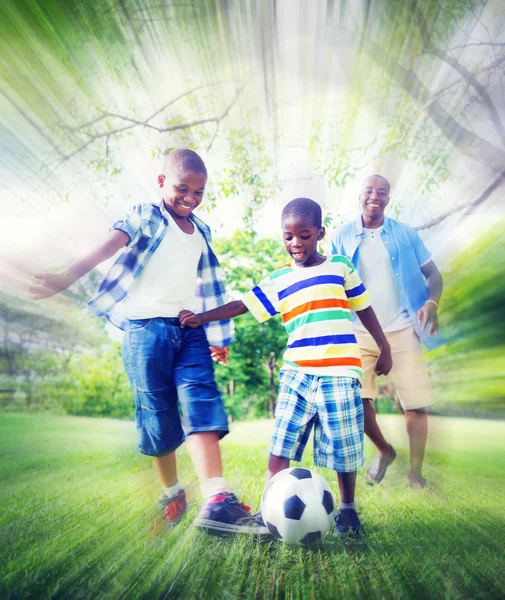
(77, 520)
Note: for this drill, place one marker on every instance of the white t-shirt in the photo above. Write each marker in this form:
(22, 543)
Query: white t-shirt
(167, 283)
(378, 277)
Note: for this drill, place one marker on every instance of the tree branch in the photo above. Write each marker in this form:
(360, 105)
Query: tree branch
(462, 70)
(133, 123)
(465, 141)
(468, 207)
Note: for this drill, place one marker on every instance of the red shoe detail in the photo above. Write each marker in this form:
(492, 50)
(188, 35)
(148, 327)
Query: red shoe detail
(175, 509)
(217, 498)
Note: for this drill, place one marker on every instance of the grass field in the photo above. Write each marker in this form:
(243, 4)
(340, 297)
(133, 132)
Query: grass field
(77, 520)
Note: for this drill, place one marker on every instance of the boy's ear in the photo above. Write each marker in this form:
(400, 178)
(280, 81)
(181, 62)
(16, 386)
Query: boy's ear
(321, 234)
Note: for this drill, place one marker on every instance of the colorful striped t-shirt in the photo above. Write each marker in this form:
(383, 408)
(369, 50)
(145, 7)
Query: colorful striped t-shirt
(316, 305)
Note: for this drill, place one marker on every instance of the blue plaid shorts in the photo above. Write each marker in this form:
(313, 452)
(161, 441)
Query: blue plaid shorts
(333, 406)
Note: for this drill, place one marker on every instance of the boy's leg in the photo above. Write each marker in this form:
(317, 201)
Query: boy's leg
(347, 485)
(338, 441)
(167, 469)
(347, 520)
(148, 357)
(276, 464)
(206, 457)
(205, 423)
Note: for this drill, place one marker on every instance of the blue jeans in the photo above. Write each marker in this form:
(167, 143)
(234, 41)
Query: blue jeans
(171, 372)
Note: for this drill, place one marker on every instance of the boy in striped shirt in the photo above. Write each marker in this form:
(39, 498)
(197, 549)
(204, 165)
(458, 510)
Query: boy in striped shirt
(320, 378)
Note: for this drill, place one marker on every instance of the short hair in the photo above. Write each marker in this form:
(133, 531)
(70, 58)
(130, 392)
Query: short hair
(380, 177)
(184, 160)
(303, 208)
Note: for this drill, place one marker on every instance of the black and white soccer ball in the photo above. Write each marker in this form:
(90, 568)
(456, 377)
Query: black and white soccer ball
(298, 506)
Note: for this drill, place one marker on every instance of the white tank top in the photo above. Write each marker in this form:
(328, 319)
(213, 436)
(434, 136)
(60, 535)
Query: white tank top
(167, 283)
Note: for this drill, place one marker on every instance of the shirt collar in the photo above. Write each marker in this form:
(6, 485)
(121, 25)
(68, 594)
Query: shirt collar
(203, 227)
(358, 226)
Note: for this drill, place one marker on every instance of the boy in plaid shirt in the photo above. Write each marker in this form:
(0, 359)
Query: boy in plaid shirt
(320, 379)
(166, 264)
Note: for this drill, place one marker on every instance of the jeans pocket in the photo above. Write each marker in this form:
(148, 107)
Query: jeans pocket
(138, 324)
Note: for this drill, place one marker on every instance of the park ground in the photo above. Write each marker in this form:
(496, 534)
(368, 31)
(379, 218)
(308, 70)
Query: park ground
(77, 520)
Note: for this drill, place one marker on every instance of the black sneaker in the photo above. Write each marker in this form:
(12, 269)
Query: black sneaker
(347, 521)
(223, 514)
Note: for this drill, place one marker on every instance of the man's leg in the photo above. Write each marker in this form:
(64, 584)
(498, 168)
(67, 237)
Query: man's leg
(417, 429)
(385, 453)
(412, 382)
(373, 430)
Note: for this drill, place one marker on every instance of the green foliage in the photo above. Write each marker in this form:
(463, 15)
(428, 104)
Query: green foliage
(250, 171)
(250, 380)
(99, 385)
(471, 369)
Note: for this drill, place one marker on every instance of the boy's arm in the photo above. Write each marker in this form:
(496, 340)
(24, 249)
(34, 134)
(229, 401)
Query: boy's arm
(227, 311)
(49, 284)
(384, 360)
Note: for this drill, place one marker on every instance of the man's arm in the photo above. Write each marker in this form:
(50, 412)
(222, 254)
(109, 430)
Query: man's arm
(227, 311)
(384, 361)
(49, 284)
(428, 313)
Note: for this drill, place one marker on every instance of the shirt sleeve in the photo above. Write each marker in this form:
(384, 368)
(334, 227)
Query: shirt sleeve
(356, 293)
(262, 300)
(131, 224)
(422, 253)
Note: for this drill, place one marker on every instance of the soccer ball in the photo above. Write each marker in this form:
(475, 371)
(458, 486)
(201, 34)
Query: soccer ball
(297, 506)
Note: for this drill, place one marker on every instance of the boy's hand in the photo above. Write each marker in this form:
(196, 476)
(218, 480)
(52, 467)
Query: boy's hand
(384, 361)
(428, 313)
(220, 355)
(45, 285)
(188, 318)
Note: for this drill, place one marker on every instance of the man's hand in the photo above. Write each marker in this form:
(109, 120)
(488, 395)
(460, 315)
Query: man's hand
(189, 319)
(220, 355)
(45, 285)
(428, 313)
(384, 361)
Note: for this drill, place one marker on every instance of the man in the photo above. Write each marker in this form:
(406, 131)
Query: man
(405, 287)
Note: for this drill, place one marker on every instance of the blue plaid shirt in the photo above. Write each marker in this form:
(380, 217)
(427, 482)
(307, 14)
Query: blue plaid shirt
(146, 225)
(407, 254)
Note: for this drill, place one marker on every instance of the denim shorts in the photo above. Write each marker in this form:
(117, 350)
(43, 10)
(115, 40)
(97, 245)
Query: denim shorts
(330, 405)
(172, 376)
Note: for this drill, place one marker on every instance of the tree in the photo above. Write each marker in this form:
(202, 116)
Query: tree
(250, 378)
(422, 79)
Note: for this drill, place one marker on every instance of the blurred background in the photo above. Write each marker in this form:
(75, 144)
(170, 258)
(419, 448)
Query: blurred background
(281, 99)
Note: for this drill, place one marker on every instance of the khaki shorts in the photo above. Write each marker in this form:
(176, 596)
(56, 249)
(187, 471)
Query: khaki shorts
(409, 373)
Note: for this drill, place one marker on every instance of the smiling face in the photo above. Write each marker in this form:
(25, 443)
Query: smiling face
(183, 192)
(300, 240)
(374, 197)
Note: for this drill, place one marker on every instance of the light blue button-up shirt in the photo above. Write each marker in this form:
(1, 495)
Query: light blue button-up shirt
(407, 253)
